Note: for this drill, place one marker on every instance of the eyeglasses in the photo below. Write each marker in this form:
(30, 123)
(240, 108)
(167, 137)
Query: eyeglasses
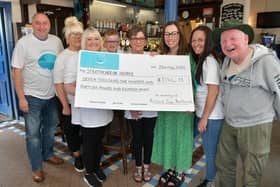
(138, 39)
(76, 34)
(171, 34)
(112, 42)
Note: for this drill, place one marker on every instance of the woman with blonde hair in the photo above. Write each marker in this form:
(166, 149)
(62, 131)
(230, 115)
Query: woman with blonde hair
(64, 72)
(93, 121)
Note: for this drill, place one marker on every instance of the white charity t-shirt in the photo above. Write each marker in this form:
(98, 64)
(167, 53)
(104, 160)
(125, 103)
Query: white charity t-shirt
(211, 75)
(65, 69)
(36, 58)
(143, 114)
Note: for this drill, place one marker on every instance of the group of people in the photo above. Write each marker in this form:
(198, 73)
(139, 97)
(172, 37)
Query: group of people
(236, 100)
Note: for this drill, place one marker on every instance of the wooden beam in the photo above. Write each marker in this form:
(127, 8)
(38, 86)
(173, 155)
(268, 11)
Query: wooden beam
(29, 2)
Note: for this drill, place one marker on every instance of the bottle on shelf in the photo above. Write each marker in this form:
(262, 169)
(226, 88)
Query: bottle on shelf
(148, 28)
(124, 41)
(153, 29)
(103, 25)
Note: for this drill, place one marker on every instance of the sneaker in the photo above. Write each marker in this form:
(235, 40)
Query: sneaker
(91, 180)
(205, 183)
(78, 164)
(100, 175)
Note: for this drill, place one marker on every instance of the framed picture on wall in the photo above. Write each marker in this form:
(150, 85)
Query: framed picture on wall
(207, 12)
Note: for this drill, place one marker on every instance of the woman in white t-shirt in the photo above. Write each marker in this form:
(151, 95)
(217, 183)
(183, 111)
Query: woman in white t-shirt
(65, 69)
(209, 108)
(93, 121)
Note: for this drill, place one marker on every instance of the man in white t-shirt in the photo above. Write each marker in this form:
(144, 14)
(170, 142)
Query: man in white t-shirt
(33, 61)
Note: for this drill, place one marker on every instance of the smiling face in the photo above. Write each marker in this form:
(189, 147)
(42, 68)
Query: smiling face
(172, 37)
(74, 41)
(41, 26)
(111, 43)
(198, 42)
(137, 43)
(93, 42)
(234, 44)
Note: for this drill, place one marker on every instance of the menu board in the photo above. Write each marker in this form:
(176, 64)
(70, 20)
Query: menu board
(232, 11)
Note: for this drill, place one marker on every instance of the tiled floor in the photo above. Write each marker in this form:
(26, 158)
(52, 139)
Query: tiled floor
(15, 169)
(4, 118)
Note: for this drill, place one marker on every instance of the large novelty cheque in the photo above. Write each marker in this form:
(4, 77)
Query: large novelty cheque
(134, 82)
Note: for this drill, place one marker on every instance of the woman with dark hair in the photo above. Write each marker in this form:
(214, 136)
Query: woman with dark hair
(179, 47)
(174, 130)
(142, 122)
(209, 108)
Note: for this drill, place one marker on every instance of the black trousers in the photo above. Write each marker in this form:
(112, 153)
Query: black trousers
(92, 147)
(143, 136)
(72, 133)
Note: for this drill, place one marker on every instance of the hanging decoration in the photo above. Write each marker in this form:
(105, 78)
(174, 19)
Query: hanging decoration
(78, 9)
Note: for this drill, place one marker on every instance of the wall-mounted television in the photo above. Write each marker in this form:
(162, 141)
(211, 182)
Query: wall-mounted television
(268, 19)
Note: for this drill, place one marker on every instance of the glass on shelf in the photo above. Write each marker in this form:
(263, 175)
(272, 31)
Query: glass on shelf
(26, 29)
(153, 44)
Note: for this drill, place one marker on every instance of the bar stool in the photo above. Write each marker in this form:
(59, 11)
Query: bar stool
(122, 134)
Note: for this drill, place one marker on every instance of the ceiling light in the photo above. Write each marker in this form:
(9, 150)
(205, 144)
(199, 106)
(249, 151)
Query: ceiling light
(111, 4)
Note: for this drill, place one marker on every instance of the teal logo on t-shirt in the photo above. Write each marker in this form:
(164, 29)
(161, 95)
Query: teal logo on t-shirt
(47, 60)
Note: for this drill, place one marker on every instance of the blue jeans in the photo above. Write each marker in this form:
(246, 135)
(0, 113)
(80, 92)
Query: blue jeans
(40, 125)
(210, 139)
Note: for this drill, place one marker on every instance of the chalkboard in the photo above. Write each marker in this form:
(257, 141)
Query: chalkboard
(232, 11)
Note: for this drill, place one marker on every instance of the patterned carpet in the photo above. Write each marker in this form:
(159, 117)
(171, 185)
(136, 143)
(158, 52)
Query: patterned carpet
(112, 160)
(4, 118)
(198, 163)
